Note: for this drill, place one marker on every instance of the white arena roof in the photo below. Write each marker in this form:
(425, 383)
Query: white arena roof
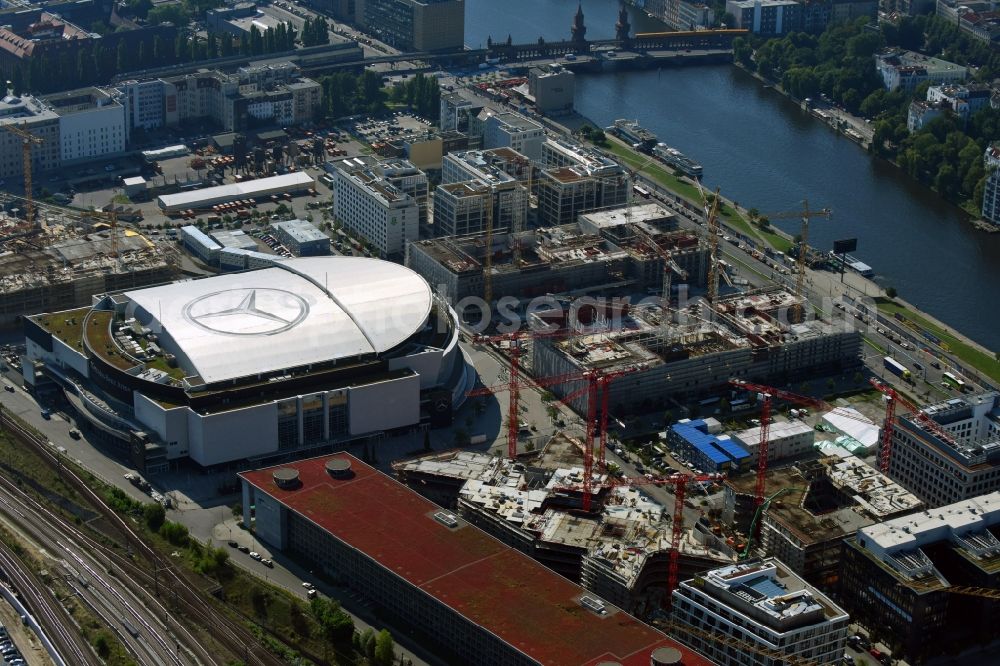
(301, 311)
(248, 189)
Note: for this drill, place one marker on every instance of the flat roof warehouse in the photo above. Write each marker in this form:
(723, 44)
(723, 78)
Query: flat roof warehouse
(250, 189)
(492, 586)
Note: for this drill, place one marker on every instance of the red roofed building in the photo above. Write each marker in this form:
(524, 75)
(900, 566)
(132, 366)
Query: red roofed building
(479, 601)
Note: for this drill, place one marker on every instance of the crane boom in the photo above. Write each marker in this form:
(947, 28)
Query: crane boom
(27, 141)
(806, 214)
(712, 225)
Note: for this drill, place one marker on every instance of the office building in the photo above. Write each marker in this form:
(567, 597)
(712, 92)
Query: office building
(577, 180)
(496, 165)
(958, 459)
(301, 238)
(514, 131)
(557, 259)
(31, 114)
(991, 194)
(785, 439)
(702, 443)
(374, 209)
(895, 578)
(683, 359)
(457, 112)
(474, 599)
(303, 354)
(683, 14)
(409, 180)
(552, 88)
(91, 124)
(766, 17)
(761, 603)
(415, 25)
(200, 244)
(463, 208)
(812, 507)
(274, 92)
(145, 103)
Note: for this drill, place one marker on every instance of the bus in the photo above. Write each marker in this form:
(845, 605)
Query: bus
(953, 381)
(641, 191)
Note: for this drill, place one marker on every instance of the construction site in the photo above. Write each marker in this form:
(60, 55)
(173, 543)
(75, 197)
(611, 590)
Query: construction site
(616, 249)
(812, 507)
(678, 355)
(63, 257)
(620, 549)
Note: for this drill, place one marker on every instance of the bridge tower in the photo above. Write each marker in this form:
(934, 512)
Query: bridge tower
(622, 27)
(578, 30)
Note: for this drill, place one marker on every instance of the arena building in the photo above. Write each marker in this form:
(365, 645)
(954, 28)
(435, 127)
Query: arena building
(304, 354)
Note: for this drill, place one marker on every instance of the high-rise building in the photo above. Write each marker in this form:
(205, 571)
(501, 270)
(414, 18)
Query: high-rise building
(512, 130)
(578, 180)
(761, 603)
(415, 25)
(553, 88)
(941, 469)
(373, 208)
(895, 576)
(462, 208)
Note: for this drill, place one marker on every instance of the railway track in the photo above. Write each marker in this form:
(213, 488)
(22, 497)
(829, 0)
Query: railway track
(166, 579)
(49, 613)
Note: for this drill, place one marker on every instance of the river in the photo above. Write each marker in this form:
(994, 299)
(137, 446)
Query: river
(765, 152)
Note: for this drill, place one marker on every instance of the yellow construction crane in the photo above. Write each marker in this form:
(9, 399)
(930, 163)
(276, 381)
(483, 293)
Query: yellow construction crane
(669, 265)
(712, 224)
(27, 140)
(780, 657)
(800, 280)
(934, 585)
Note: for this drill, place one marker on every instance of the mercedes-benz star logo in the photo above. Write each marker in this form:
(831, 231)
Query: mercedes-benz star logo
(248, 311)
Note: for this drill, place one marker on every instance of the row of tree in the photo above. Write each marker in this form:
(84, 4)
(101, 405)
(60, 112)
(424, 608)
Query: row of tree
(346, 94)
(420, 93)
(946, 154)
(315, 33)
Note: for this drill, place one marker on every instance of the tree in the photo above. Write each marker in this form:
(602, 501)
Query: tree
(155, 515)
(890, 292)
(385, 648)
(368, 643)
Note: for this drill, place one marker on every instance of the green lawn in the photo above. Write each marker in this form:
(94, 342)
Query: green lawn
(687, 190)
(985, 363)
(654, 171)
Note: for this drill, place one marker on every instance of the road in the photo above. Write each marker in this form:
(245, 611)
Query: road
(883, 335)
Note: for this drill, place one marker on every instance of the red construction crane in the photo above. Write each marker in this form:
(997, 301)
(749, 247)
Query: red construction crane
(679, 482)
(892, 397)
(598, 385)
(513, 384)
(767, 394)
